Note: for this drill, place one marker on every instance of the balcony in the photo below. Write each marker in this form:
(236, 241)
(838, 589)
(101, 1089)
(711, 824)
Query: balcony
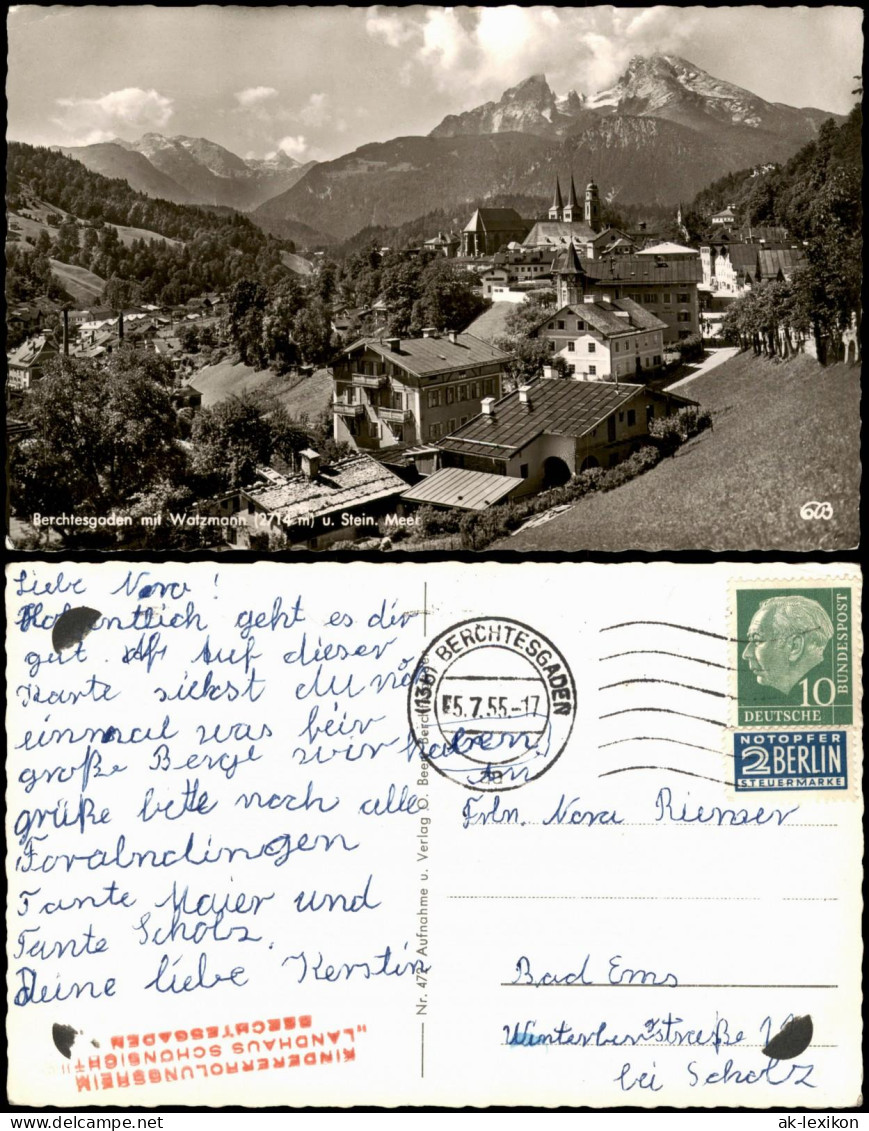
(370, 381)
(344, 408)
(394, 415)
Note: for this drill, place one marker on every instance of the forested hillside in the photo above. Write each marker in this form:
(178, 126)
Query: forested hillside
(214, 250)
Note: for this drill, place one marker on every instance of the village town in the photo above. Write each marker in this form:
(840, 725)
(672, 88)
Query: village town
(459, 384)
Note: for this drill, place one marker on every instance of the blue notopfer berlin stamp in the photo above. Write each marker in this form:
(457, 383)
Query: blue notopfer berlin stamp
(790, 760)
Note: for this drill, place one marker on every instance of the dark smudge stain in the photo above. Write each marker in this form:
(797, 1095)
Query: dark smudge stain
(64, 1038)
(793, 1039)
(72, 627)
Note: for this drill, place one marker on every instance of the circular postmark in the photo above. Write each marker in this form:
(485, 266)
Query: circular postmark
(491, 703)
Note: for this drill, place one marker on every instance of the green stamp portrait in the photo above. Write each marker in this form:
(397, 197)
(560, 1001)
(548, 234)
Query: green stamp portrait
(794, 656)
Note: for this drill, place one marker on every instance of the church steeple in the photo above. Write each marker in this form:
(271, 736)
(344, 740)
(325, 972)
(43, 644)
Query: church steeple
(556, 208)
(571, 209)
(569, 273)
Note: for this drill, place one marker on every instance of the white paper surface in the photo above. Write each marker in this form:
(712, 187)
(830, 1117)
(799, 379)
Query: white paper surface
(234, 879)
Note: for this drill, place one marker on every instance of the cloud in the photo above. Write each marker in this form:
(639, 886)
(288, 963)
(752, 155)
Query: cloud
(295, 147)
(393, 28)
(89, 120)
(253, 95)
(316, 111)
(487, 49)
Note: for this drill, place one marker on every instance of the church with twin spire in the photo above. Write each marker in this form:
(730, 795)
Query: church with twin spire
(577, 224)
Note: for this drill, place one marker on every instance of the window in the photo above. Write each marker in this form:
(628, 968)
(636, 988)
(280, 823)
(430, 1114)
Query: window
(462, 393)
(560, 324)
(683, 316)
(434, 431)
(668, 298)
(450, 395)
(637, 298)
(591, 347)
(489, 388)
(396, 400)
(571, 347)
(592, 371)
(657, 359)
(463, 420)
(552, 347)
(632, 418)
(451, 426)
(646, 362)
(580, 325)
(649, 299)
(475, 391)
(683, 297)
(523, 470)
(551, 326)
(434, 398)
(621, 417)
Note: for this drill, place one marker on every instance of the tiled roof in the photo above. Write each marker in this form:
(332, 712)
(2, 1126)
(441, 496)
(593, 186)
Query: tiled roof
(601, 316)
(467, 490)
(555, 405)
(425, 356)
(642, 270)
(559, 232)
(346, 483)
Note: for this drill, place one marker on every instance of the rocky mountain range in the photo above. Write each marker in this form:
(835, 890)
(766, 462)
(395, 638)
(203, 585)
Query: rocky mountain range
(657, 86)
(191, 170)
(657, 136)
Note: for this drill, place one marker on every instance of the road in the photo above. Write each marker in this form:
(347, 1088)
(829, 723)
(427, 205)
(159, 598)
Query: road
(714, 358)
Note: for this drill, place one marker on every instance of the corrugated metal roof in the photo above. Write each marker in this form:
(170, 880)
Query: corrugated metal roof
(772, 260)
(467, 490)
(668, 249)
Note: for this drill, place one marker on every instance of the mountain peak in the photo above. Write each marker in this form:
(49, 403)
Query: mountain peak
(535, 88)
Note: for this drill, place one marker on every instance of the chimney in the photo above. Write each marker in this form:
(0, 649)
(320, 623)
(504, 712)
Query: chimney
(523, 394)
(429, 331)
(121, 326)
(393, 344)
(65, 332)
(487, 406)
(454, 337)
(606, 298)
(310, 463)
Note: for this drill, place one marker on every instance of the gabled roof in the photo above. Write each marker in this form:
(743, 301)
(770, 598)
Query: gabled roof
(422, 357)
(556, 406)
(346, 483)
(668, 249)
(602, 316)
(572, 202)
(558, 233)
(467, 490)
(496, 220)
(29, 351)
(771, 261)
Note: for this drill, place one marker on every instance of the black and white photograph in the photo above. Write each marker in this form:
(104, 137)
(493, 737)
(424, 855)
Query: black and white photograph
(399, 280)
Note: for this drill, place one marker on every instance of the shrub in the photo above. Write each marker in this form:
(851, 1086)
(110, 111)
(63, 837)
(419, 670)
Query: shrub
(694, 419)
(432, 521)
(667, 434)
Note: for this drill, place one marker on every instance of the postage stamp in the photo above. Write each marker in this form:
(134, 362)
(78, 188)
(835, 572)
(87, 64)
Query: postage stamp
(794, 657)
(790, 760)
(492, 703)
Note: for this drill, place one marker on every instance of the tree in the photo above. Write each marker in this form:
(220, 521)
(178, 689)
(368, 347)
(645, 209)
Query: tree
(121, 294)
(528, 353)
(447, 300)
(312, 331)
(246, 304)
(229, 440)
(101, 433)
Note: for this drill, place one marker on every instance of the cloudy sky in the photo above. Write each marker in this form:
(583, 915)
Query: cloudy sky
(317, 82)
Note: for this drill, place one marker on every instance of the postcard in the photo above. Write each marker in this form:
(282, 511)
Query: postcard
(325, 834)
(493, 278)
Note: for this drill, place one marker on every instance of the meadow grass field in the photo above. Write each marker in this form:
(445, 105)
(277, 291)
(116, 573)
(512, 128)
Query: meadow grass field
(785, 433)
(303, 397)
